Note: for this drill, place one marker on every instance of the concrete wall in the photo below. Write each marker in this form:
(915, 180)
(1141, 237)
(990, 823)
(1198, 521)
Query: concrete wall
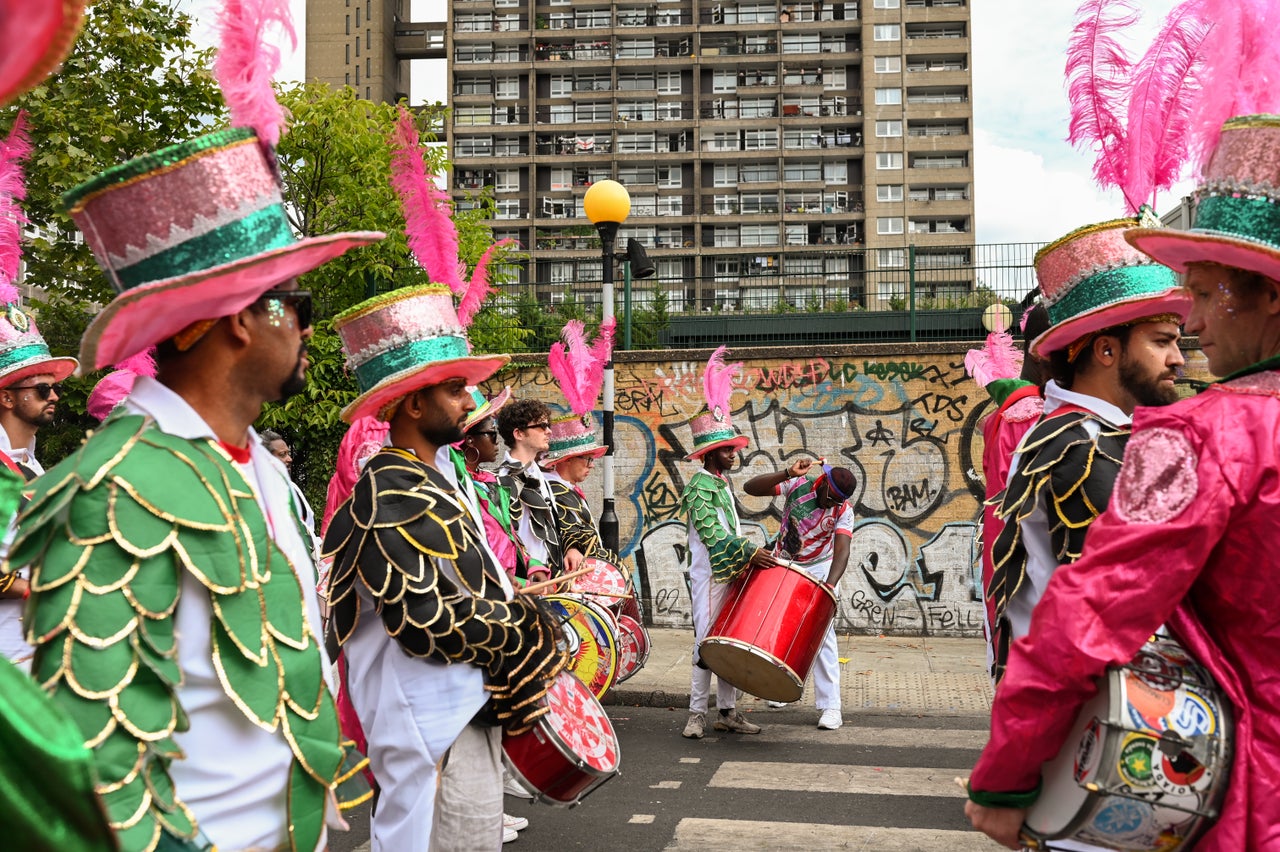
(905, 418)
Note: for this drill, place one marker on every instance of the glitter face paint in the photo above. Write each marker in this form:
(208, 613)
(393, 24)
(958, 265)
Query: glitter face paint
(1230, 324)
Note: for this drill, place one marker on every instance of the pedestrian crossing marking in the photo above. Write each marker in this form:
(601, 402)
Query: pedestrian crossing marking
(665, 785)
(837, 778)
(730, 834)
(642, 819)
(850, 735)
(690, 760)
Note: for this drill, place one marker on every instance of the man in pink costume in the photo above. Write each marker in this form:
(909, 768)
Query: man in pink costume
(1194, 516)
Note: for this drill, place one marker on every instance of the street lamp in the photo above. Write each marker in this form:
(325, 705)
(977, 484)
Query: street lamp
(607, 204)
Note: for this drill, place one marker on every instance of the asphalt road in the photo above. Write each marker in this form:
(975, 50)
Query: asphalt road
(883, 782)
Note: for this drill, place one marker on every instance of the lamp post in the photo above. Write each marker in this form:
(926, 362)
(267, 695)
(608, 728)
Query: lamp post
(607, 204)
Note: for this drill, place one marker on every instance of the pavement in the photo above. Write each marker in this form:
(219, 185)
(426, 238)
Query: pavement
(882, 674)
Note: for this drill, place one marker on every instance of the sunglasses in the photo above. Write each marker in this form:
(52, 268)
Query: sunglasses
(537, 426)
(492, 433)
(299, 299)
(43, 390)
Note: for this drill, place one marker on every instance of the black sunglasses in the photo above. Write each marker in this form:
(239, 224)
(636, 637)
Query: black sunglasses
(543, 425)
(492, 433)
(43, 390)
(300, 299)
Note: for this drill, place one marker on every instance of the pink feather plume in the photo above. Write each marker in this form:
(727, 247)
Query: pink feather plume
(1164, 85)
(579, 368)
(717, 381)
(479, 289)
(428, 225)
(116, 385)
(1000, 358)
(1098, 69)
(246, 63)
(142, 364)
(13, 189)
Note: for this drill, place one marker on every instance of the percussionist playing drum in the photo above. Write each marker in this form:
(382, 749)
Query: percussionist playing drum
(718, 553)
(817, 525)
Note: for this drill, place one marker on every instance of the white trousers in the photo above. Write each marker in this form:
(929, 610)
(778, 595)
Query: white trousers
(826, 669)
(707, 598)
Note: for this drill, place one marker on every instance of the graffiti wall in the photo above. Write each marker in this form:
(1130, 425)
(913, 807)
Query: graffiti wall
(906, 421)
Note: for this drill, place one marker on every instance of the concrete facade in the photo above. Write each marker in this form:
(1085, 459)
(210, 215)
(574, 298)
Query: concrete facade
(905, 419)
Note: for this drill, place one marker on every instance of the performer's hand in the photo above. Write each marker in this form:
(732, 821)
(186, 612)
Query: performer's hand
(799, 467)
(763, 559)
(1003, 825)
(573, 560)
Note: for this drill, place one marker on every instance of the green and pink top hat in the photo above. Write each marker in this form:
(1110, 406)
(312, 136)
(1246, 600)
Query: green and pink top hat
(193, 232)
(714, 428)
(23, 352)
(578, 369)
(1237, 214)
(485, 406)
(1092, 279)
(404, 341)
(36, 35)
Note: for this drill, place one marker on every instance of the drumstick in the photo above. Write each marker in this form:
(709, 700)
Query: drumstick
(610, 595)
(534, 588)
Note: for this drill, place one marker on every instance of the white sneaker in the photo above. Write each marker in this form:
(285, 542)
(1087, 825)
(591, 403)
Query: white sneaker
(508, 835)
(515, 788)
(830, 719)
(515, 823)
(777, 705)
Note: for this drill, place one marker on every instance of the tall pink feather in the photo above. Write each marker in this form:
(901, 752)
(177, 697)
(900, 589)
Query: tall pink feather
(246, 63)
(1098, 69)
(717, 381)
(428, 225)
(478, 289)
(1164, 87)
(142, 364)
(1000, 358)
(13, 189)
(579, 368)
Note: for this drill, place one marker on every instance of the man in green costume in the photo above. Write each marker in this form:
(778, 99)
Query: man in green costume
(718, 553)
(173, 604)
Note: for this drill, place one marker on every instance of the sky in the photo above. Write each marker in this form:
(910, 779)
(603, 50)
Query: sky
(1029, 184)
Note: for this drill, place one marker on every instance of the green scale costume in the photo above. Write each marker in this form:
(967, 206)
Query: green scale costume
(109, 534)
(1071, 473)
(730, 553)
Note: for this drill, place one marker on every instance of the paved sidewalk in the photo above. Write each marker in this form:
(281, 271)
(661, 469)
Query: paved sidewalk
(888, 674)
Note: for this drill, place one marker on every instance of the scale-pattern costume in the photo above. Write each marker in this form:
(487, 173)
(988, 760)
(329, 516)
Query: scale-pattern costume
(730, 554)
(1065, 469)
(576, 526)
(404, 537)
(527, 500)
(110, 533)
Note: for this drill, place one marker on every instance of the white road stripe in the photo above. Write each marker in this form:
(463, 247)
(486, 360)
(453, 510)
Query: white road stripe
(849, 735)
(838, 778)
(708, 835)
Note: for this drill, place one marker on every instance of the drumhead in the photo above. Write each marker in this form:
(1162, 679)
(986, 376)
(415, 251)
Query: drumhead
(595, 660)
(751, 669)
(633, 647)
(605, 584)
(579, 726)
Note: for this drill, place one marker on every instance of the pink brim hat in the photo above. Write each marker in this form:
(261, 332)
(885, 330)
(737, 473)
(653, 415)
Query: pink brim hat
(489, 408)
(1175, 302)
(1178, 249)
(154, 312)
(737, 443)
(375, 401)
(36, 35)
(594, 453)
(60, 368)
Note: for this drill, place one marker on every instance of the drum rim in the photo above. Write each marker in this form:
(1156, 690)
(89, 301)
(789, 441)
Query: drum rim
(611, 628)
(545, 799)
(648, 645)
(554, 736)
(721, 641)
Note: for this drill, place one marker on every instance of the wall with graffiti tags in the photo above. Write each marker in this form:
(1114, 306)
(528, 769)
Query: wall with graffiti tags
(906, 420)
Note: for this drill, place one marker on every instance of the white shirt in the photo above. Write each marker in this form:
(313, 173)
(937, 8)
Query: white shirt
(13, 643)
(235, 777)
(1041, 560)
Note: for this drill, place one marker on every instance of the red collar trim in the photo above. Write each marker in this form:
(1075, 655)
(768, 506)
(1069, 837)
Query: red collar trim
(239, 455)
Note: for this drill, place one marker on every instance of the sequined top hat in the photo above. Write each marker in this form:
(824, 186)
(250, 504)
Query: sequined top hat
(573, 435)
(714, 428)
(485, 407)
(405, 340)
(1237, 214)
(23, 352)
(36, 35)
(1092, 279)
(195, 231)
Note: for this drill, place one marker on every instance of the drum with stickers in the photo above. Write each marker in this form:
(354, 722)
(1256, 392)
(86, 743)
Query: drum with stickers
(1147, 764)
(633, 647)
(604, 583)
(570, 751)
(592, 634)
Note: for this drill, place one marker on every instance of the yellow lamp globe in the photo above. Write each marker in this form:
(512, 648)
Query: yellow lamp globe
(607, 201)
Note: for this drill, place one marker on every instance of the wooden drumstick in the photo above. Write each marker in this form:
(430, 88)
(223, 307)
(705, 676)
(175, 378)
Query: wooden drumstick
(611, 595)
(534, 588)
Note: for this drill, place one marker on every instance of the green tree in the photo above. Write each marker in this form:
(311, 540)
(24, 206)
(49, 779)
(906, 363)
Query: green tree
(648, 322)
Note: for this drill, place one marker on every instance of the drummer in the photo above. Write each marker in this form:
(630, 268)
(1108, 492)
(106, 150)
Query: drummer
(718, 553)
(817, 526)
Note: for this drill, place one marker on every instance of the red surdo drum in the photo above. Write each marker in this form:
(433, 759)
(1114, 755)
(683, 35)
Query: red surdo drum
(604, 583)
(633, 647)
(769, 632)
(571, 750)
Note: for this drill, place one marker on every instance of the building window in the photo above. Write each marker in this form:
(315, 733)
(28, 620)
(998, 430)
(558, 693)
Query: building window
(891, 258)
(347, 53)
(368, 39)
(357, 46)
(887, 32)
(889, 225)
(888, 129)
(885, 4)
(888, 97)
(889, 192)
(888, 64)
(888, 160)
(348, 25)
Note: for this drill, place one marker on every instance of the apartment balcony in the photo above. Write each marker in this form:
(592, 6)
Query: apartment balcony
(420, 40)
(938, 78)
